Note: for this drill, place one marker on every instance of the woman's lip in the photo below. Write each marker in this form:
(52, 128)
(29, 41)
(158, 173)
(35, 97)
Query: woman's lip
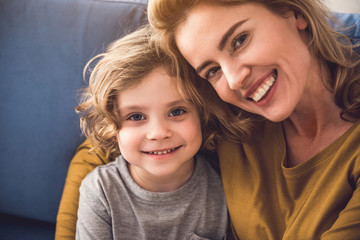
(257, 84)
(268, 96)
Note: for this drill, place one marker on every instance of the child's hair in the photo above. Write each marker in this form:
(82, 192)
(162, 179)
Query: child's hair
(126, 62)
(333, 50)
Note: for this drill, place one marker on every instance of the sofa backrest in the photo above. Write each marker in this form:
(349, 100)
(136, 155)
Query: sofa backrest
(44, 47)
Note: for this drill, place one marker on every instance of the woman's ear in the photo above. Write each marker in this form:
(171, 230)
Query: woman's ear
(301, 22)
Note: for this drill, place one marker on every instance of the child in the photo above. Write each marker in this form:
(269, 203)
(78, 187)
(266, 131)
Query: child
(159, 187)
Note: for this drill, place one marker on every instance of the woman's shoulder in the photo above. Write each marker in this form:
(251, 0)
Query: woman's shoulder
(267, 140)
(352, 136)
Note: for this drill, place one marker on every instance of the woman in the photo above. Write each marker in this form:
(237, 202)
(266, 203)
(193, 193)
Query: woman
(299, 176)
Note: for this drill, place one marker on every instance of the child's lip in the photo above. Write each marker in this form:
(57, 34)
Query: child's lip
(162, 151)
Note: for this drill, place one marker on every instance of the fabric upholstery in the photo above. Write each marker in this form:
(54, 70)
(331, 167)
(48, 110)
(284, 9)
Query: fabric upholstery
(44, 47)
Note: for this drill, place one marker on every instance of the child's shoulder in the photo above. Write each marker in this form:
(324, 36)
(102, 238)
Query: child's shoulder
(210, 159)
(104, 173)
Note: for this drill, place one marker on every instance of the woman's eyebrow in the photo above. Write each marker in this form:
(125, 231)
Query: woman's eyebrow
(228, 33)
(202, 66)
(222, 43)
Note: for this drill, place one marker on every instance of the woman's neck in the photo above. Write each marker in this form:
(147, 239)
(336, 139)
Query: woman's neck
(314, 124)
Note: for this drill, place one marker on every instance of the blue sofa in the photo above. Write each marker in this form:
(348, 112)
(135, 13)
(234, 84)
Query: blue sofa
(44, 47)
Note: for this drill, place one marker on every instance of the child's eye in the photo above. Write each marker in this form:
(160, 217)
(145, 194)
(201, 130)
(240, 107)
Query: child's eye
(176, 112)
(239, 40)
(136, 117)
(211, 73)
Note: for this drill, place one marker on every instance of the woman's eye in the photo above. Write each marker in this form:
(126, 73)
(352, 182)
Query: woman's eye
(239, 40)
(136, 117)
(211, 73)
(177, 112)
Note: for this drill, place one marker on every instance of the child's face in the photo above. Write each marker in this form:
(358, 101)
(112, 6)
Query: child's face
(160, 132)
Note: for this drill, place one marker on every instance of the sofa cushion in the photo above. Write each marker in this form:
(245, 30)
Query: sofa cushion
(16, 228)
(349, 24)
(44, 47)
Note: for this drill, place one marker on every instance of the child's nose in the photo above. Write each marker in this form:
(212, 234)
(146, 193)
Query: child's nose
(158, 130)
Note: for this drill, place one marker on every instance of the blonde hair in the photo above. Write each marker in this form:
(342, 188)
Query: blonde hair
(333, 50)
(125, 64)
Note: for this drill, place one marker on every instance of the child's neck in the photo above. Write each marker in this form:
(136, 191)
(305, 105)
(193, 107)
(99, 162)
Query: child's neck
(164, 183)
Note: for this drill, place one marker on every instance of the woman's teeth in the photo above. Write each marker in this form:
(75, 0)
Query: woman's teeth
(162, 152)
(263, 89)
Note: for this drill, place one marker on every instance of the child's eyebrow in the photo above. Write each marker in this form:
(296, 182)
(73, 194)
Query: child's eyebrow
(131, 108)
(142, 108)
(177, 102)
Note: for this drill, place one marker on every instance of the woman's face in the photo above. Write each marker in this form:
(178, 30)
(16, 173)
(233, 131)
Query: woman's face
(254, 59)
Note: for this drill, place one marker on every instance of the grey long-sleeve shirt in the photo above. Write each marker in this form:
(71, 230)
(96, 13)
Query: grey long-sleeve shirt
(113, 206)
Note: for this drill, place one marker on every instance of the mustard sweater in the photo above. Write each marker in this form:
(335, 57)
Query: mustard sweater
(319, 199)
(82, 163)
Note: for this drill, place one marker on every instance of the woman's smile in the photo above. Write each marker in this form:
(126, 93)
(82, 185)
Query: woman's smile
(262, 87)
(254, 59)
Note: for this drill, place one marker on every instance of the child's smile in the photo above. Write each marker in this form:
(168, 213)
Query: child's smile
(160, 131)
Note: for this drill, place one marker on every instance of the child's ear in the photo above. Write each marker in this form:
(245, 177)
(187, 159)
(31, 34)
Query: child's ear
(115, 138)
(301, 22)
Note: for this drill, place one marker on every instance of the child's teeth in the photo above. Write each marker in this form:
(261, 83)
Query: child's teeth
(163, 152)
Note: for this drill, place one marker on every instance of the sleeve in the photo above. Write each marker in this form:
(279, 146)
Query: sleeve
(82, 163)
(94, 220)
(347, 225)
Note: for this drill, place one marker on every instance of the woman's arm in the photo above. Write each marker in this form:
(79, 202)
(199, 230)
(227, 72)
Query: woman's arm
(82, 163)
(347, 225)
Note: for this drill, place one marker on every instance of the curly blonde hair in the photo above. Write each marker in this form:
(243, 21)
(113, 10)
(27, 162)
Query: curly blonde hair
(126, 62)
(334, 50)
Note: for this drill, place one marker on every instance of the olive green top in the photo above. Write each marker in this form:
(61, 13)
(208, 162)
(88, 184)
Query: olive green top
(319, 199)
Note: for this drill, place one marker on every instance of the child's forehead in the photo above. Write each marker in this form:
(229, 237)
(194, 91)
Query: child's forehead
(131, 81)
(156, 85)
(162, 72)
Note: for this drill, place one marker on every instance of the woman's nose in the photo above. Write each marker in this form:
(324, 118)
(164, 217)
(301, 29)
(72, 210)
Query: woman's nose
(158, 130)
(235, 75)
